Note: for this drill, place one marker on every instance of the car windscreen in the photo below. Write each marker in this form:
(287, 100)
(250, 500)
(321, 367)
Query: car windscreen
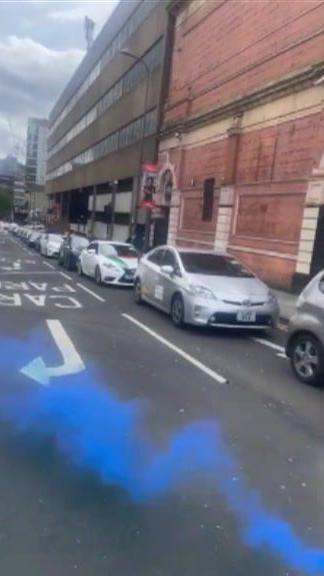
(120, 250)
(213, 265)
(79, 243)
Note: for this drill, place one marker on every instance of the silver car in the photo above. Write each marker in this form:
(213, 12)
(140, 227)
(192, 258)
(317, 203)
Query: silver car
(305, 343)
(204, 288)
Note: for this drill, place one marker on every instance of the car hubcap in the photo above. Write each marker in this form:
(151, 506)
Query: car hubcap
(177, 311)
(306, 359)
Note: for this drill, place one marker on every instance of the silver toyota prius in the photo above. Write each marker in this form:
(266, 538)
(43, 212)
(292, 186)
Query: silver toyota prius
(204, 288)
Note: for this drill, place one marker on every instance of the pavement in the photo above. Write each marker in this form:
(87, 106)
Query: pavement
(130, 447)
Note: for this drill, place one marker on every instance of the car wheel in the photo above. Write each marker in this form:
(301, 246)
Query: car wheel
(79, 267)
(307, 359)
(138, 292)
(98, 278)
(177, 311)
(66, 262)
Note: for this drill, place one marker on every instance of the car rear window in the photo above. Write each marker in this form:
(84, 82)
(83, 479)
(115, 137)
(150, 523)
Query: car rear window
(124, 251)
(79, 242)
(213, 265)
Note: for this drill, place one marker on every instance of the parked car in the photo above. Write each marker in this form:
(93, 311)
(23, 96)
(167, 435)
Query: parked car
(50, 245)
(205, 288)
(70, 251)
(109, 262)
(305, 342)
(33, 237)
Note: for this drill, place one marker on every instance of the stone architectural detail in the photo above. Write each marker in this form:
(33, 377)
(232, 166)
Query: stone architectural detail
(250, 116)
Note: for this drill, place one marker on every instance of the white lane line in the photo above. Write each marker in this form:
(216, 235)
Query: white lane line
(29, 272)
(90, 292)
(270, 344)
(211, 373)
(66, 276)
(72, 361)
(279, 349)
(49, 265)
(282, 355)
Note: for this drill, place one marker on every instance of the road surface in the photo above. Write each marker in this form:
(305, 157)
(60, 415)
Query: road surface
(130, 447)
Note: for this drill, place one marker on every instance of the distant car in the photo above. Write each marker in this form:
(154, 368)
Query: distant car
(50, 245)
(33, 238)
(27, 234)
(205, 288)
(109, 262)
(305, 342)
(70, 251)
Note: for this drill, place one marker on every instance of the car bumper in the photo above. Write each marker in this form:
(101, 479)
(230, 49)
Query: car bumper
(220, 315)
(124, 279)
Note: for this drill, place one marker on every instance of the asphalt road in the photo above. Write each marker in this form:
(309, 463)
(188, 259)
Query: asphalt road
(130, 447)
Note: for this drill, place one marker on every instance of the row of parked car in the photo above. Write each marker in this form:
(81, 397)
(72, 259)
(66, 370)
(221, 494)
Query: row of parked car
(197, 287)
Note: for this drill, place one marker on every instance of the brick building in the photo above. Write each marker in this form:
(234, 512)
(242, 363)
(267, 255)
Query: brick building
(243, 133)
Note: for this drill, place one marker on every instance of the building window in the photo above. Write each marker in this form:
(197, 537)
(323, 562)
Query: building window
(208, 200)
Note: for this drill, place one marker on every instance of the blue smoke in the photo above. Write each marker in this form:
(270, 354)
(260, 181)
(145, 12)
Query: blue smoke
(98, 433)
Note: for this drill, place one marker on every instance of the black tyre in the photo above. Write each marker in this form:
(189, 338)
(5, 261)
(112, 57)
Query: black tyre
(66, 262)
(79, 268)
(177, 311)
(98, 278)
(138, 292)
(307, 359)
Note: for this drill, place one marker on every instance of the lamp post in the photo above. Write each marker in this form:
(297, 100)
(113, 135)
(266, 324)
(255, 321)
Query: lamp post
(135, 202)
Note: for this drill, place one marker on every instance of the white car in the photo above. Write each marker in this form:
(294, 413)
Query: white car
(109, 262)
(50, 245)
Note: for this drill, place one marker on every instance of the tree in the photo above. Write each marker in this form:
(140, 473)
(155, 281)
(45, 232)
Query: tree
(5, 202)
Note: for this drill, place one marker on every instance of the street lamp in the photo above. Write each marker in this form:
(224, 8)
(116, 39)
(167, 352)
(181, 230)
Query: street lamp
(140, 60)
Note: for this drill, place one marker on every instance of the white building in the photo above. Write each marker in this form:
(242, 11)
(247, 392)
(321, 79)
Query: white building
(36, 151)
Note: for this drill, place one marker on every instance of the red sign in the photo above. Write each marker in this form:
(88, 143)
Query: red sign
(149, 184)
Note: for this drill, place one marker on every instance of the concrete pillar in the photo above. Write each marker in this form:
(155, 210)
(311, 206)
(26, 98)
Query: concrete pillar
(314, 199)
(224, 218)
(174, 217)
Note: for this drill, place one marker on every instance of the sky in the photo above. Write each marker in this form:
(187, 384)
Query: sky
(41, 44)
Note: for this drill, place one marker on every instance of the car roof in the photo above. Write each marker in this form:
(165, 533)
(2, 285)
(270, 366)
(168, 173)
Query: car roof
(115, 243)
(195, 250)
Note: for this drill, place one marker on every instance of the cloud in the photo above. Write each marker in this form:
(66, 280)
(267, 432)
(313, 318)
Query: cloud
(68, 15)
(41, 44)
(32, 76)
(98, 11)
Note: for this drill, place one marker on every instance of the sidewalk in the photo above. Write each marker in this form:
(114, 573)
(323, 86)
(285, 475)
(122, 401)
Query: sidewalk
(287, 303)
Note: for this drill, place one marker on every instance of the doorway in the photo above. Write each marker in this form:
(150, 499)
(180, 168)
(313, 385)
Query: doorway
(161, 227)
(318, 251)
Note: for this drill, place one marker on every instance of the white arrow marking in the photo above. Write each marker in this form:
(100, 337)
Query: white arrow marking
(72, 362)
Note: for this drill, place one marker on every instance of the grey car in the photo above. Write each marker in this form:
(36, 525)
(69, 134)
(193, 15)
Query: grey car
(305, 343)
(204, 288)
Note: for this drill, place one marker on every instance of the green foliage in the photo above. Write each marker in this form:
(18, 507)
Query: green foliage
(5, 202)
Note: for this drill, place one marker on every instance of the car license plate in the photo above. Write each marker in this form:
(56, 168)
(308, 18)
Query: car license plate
(246, 316)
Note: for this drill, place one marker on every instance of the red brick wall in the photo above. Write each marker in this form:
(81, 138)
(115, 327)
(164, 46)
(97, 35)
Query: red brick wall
(283, 152)
(274, 165)
(227, 49)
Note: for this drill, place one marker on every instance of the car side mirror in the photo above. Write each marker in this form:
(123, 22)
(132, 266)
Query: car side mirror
(91, 251)
(167, 269)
